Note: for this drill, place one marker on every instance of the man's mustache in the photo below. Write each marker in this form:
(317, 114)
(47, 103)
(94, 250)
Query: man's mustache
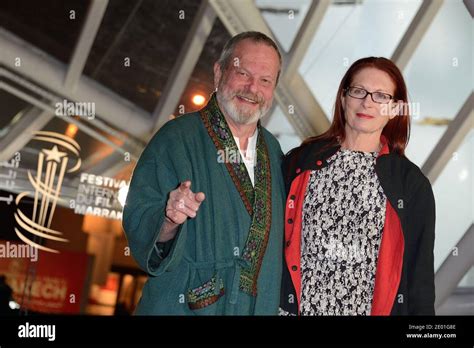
(254, 97)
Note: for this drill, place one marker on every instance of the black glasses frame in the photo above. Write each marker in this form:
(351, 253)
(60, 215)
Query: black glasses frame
(348, 91)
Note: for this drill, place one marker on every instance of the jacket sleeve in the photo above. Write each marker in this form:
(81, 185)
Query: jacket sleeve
(288, 301)
(144, 211)
(421, 286)
(288, 166)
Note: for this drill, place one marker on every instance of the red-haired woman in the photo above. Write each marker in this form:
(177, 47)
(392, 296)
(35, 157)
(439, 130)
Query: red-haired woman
(360, 217)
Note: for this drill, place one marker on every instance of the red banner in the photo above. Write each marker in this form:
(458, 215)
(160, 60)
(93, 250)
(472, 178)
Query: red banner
(60, 281)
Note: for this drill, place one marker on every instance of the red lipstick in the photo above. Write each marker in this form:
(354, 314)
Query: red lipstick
(360, 115)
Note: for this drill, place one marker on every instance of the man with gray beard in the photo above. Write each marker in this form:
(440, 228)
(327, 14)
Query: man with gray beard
(204, 212)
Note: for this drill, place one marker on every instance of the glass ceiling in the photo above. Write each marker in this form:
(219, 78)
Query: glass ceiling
(202, 78)
(346, 34)
(54, 27)
(440, 76)
(284, 17)
(136, 46)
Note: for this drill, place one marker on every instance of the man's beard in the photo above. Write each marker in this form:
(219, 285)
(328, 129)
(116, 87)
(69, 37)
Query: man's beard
(241, 114)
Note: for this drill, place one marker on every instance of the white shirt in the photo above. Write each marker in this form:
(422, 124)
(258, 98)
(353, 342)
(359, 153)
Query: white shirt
(250, 155)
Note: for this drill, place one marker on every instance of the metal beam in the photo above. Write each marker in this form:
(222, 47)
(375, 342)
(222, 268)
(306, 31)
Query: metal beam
(82, 126)
(450, 141)
(47, 96)
(184, 65)
(460, 302)
(454, 267)
(43, 69)
(311, 118)
(305, 36)
(415, 32)
(128, 144)
(94, 17)
(469, 6)
(21, 132)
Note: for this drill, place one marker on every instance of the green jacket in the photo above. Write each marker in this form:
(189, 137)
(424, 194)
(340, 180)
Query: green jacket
(207, 249)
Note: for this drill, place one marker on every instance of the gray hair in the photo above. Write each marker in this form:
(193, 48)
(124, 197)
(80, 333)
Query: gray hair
(254, 36)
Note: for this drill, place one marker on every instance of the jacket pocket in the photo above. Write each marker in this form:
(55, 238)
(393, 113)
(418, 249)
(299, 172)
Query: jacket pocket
(205, 294)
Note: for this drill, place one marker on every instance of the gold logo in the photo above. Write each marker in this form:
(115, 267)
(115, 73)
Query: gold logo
(47, 187)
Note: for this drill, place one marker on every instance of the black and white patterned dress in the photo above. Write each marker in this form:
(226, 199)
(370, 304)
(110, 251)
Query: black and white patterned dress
(343, 220)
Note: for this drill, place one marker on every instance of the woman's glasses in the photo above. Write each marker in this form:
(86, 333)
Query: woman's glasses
(360, 93)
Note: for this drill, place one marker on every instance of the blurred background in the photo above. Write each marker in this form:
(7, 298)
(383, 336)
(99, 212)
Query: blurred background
(108, 74)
